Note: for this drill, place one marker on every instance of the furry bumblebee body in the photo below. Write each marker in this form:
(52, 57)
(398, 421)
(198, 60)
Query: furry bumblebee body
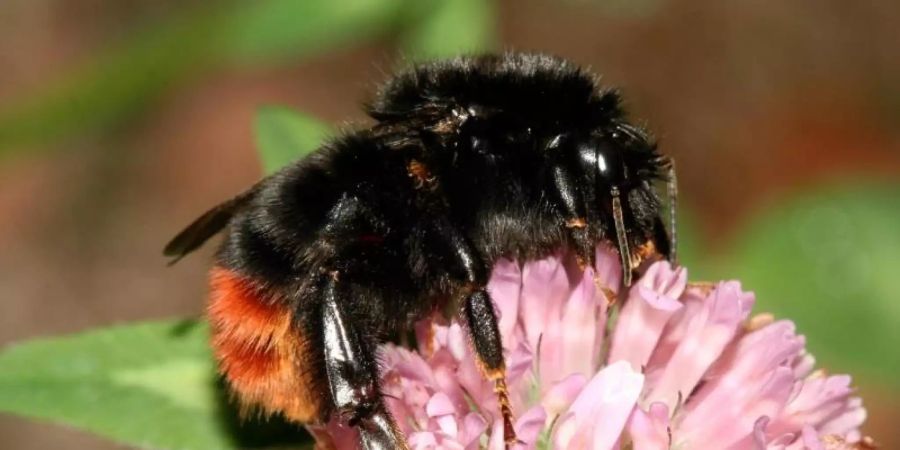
(469, 160)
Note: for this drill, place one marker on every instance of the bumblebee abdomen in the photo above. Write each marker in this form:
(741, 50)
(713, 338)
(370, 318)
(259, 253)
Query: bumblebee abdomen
(265, 359)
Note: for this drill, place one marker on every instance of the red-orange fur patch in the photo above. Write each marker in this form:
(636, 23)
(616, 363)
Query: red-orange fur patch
(259, 352)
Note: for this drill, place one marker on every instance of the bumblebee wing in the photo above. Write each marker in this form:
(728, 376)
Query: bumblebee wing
(210, 223)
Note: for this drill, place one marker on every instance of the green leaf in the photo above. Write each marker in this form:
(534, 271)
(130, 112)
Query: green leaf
(283, 135)
(280, 28)
(828, 261)
(447, 28)
(149, 385)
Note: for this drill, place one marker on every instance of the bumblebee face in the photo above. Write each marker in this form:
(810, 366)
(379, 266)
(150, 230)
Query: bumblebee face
(610, 160)
(615, 167)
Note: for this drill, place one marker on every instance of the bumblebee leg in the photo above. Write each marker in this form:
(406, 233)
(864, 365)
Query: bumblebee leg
(353, 375)
(477, 309)
(481, 322)
(573, 205)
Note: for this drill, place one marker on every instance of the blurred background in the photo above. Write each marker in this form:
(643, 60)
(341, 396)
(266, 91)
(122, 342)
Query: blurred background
(122, 120)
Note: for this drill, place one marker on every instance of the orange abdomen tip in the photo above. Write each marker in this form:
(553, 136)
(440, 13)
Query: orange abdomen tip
(260, 353)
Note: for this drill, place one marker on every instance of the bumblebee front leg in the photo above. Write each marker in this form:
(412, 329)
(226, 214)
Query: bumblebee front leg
(352, 371)
(572, 202)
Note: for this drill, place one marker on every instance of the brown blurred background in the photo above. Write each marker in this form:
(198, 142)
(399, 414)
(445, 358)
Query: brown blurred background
(756, 100)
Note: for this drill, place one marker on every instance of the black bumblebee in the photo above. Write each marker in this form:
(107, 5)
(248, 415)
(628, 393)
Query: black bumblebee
(469, 159)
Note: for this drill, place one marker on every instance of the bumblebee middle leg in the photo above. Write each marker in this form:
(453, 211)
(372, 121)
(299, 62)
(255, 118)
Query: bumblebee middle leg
(353, 374)
(479, 318)
(481, 323)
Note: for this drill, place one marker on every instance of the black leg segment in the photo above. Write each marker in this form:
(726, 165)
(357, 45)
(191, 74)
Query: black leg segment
(353, 374)
(477, 310)
(481, 322)
(572, 201)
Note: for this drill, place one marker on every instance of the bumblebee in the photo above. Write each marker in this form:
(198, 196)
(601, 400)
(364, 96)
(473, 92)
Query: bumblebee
(468, 160)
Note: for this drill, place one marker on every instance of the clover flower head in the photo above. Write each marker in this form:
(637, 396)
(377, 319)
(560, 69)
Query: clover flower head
(673, 366)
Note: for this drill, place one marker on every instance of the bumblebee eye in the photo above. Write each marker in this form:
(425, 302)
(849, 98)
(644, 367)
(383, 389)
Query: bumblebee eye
(610, 165)
(602, 166)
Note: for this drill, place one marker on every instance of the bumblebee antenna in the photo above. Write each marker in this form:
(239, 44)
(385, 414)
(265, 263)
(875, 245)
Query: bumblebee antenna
(672, 191)
(624, 251)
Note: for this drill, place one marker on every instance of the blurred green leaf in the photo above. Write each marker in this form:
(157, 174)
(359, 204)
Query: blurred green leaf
(279, 28)
(148, 385)
(829, 262)
(126, 77)
(448, 28)
(283, 135)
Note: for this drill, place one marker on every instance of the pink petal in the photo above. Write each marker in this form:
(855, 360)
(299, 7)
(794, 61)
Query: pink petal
(757, 360)
(559, 397)
(422, 441)
(759, 440)
(481, 392)
(819, 400)
(545, 286)
(650, 430)
(519, 362)
(598, 416)
(692, 302)
(650, 305)
(706, 335)
(582, 315)
(847, 423)
(474, 426)
(529, 426)
(439, 405)
(564, 432)
(811, 439)
(448, 425)
(721, 421)
(442, 410)
(505, 288)
(457, 341)
(410, 365)
(804, 365)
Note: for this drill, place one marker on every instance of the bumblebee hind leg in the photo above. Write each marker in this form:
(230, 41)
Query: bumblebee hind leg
(353, 373)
